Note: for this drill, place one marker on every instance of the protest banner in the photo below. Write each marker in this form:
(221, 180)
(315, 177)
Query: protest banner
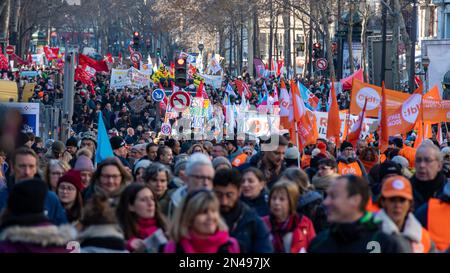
(322, 123)
(119, 78)
(30, 115)
(215, 81)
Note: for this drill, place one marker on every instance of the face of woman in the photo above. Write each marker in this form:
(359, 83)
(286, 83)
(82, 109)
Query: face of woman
(110, 178)
(86, 177)
(55, 173)
(279, 205)
(67, 193)
(206, 223)
(144, 204)
(397, 208)
(158, 184)
(140, 175)
(251, 186)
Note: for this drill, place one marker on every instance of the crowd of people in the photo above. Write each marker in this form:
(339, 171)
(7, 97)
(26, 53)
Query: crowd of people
(159, 194)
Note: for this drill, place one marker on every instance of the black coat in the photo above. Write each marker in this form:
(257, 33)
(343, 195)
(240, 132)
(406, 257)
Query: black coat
(424, 190)
(364, 236)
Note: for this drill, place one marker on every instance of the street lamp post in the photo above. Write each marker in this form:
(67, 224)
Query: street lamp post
(201, 47)
(426, 64)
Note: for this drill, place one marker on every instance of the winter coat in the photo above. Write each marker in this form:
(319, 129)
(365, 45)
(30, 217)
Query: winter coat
(413, 231)
(164, 201)
(248, 228)
(424, 190)
(106, 238)
(38, 238)
(260, 204)
(321, 184)
(310, 205)
(175, 200)
(362, 236)
(256, 161)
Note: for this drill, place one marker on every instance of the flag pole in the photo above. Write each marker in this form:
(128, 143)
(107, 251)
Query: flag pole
(298, 144)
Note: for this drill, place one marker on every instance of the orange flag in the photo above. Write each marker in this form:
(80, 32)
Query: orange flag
(334, 127)
(383, 128)
(306, 131)
(355, 132)
(424, 131)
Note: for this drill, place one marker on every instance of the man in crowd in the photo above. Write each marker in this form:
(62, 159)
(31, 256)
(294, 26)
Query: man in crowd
(243, 222)
(348, 163)
(120, 150)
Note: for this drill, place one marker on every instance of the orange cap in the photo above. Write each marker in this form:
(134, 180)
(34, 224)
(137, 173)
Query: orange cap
(397, 186)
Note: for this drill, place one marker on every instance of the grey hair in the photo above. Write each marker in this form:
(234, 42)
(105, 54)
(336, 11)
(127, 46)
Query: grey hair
(197, 159)
(430, 145)
(152, 171)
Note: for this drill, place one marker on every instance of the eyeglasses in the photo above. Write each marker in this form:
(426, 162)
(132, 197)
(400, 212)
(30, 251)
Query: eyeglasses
(201, 177)
(348, 149)
(115, 176)
(67, 188)
(427, 160)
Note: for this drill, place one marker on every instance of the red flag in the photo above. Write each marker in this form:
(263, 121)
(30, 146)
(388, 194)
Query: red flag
(3, 62)
(109, 58)
(334, 121)
(355, 132)
(243, 88)
(120, 57)
(383, 128)
(201, 91)
(279, 65)
(97, 65)
(51, 53)
(82, 76)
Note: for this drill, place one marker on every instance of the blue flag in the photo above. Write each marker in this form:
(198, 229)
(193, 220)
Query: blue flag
(104, 149)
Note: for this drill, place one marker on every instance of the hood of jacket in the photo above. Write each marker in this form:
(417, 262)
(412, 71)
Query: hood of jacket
(96, 231)
(39, 235)
(412, 229)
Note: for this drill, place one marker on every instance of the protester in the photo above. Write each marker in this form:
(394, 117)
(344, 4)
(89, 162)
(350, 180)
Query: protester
(157, 177)
(291, 232)
(86, 168)
(139, 216)
(254, 191)
(118, 145)
(396, 204)
(326, 173)
(352, 228)
(139, 170)
(165, 156)
(24, 226)
(348, 163)
(243, 222)
(220, 163)
(69, 190)
(198, 228)
(152, 151)
(100, 232)
(55, 170)
(109, 179)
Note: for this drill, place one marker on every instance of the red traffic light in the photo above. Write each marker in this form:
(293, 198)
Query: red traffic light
(317, 45)
(136, 34)
(180, 61)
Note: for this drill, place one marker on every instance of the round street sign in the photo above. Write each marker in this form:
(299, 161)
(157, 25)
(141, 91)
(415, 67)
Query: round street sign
(166, 129)
(322, 64)
(136, 57)
(10, 50)
(180, 100)
(158, 95)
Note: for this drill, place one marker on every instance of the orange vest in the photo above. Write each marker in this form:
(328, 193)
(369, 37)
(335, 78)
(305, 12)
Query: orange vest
(408, 153)
(425, 243)
(239, 160)
(439, 223)
(305, 161)
(350, 168)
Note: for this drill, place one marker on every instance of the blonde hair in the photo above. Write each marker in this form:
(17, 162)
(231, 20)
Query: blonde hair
(194, 203)
(51, 164)
(291, 190)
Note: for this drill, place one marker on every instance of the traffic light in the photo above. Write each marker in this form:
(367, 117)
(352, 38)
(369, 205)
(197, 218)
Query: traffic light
(317, 50)
(180, 72)
(158, 52)
(136, 37)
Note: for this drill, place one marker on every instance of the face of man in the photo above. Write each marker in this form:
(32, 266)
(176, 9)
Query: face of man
(166, 157)
(152, 153)
(427, 164)
(276, 157)
(340, 207)
(202, 177)
(25, 167)
(177, 148)
(122, 151)
(218, 151)
(348, 152)
(228, 197)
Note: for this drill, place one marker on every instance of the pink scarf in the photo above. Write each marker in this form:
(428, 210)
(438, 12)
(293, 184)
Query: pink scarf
(146, 227)
(211, 244)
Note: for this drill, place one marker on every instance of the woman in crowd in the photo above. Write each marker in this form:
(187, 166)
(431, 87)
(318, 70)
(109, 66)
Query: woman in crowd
(84, 164)
(196, 148)
(69, 193)
(157, 177)
(139, 170)
(100, 232)
(291, 232)
(198, 228)
(54, 170)
(110, 179)
(396, 203)
(310, 201)
(254, 191)
(140, 217)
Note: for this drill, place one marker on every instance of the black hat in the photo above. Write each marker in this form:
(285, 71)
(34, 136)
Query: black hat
(72, 142)
(117, 142)
(389, 167)
(345, 145)
(27, 197)
(398, 142)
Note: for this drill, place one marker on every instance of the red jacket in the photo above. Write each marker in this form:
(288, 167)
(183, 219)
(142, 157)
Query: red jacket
(300, 237)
